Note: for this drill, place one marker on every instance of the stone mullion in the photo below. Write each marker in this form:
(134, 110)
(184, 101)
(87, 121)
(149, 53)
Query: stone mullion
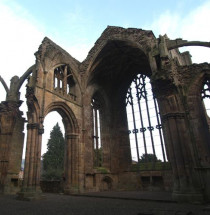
(65, 80)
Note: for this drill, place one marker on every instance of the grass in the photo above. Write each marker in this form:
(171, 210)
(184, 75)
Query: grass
(150, 166)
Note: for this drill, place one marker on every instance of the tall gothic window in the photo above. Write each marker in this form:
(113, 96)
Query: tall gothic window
(96, 132)
(64, 81)
(205, 95)
(145, 129)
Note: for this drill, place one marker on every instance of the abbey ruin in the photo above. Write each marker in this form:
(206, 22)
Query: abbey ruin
(92, 96)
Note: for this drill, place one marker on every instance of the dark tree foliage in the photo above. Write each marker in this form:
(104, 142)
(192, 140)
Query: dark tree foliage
(148, 158)
(53, 159)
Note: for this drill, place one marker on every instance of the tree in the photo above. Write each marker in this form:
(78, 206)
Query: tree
(148, 158)
(53, 159)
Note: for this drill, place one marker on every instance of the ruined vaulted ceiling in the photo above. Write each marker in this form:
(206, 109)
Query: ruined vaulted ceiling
(117, 64)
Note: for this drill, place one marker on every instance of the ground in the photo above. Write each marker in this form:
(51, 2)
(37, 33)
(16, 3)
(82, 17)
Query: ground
(114, 203)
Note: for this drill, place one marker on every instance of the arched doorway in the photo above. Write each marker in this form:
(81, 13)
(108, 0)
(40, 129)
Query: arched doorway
(52, 154)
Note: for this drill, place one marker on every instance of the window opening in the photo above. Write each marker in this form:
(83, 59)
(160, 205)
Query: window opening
(96, 133)
(64, 81)
(145, 129)
(205, 95)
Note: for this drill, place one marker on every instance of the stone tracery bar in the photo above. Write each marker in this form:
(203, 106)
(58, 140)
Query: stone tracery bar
(142, 95)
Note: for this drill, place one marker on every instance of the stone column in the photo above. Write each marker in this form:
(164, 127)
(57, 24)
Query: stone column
(31, 184)
(121, 152)
(71, 164)
(187, 184)
(11, 145)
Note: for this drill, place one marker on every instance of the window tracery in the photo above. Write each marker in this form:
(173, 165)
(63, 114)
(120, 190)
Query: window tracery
(64, 81)
(205, 95)
(145, 129)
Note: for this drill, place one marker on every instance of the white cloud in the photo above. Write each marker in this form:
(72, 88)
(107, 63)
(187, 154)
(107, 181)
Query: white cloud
(20, 37)
(192, 26)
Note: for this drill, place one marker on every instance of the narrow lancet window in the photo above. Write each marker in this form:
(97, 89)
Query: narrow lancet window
(96, 133)
(145, 129)
(205, 95)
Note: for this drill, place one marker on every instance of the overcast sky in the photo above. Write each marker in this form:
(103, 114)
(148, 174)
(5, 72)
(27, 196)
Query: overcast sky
(76, 25)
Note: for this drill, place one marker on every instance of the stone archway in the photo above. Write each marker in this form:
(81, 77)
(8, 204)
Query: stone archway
(44, 96)
(106, 183)
(114, 61)
(31, 185)
(199, 126)
(71, 163)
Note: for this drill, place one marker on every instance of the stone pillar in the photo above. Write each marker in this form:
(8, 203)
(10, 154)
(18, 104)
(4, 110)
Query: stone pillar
(31, 184)
(11, 145)
(180, 151)
(71, 164)
(121, 152)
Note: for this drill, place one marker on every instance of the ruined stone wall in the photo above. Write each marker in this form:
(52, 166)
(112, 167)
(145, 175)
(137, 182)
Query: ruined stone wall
(107, 72)
(11, 145)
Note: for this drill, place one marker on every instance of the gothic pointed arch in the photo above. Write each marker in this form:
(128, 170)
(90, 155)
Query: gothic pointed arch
(199, 118)
(118, 44)
(67, 114)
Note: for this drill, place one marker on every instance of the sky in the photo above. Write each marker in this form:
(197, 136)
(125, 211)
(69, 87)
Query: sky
(76, 25)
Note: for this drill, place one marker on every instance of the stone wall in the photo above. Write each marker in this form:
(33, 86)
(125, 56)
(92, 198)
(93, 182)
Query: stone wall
(107, 72)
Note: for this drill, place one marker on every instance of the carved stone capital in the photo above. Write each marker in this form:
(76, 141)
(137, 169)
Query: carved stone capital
(10, 106)
(176, 115)
(32, 126)
(71, 136)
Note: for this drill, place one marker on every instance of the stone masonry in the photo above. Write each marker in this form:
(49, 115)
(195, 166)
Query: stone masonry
(58, 82)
